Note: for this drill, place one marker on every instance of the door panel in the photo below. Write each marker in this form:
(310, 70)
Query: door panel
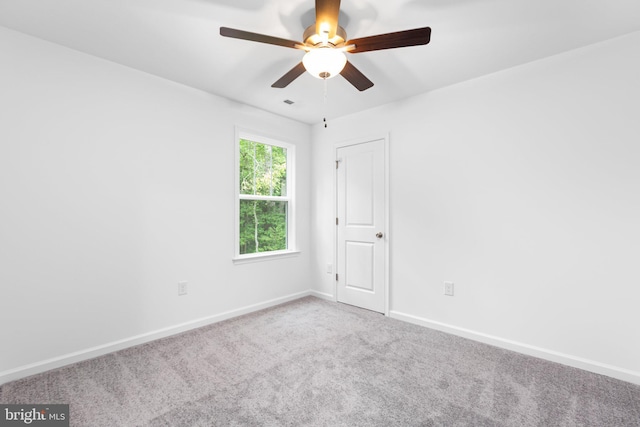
(359, 189)
(361, 215)
(359, 264)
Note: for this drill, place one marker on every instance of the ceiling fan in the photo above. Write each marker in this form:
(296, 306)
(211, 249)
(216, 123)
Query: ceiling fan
(325, 43)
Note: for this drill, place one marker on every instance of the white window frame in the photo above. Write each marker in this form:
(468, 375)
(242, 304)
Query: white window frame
(289, 198)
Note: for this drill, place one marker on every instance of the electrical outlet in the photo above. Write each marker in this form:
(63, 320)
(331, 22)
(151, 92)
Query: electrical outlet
(182, 288)
(448, 288)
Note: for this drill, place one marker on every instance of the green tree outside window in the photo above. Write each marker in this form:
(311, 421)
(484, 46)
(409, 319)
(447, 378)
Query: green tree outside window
(263, 184)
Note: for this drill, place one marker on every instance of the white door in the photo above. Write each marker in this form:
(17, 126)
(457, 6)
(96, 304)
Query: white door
(361, 235)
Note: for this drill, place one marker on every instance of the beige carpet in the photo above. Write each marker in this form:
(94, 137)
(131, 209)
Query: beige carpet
(317, 363)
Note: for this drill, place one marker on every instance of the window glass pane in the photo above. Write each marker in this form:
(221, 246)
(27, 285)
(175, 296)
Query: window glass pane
(263, 226)
(263, 169)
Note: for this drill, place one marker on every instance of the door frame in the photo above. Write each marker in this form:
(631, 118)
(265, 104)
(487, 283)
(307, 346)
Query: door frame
(347, 143)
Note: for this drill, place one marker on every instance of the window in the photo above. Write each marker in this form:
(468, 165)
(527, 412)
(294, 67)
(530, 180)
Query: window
(264, 189)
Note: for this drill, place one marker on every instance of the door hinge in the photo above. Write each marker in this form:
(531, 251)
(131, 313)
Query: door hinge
(336, 277)
(336, 220)
(337, 163)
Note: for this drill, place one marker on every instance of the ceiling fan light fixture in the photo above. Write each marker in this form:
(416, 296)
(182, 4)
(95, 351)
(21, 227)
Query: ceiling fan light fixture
(324, 62)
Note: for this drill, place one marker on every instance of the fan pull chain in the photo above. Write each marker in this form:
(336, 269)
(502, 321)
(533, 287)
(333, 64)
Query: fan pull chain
(325, 101)
(325, 91)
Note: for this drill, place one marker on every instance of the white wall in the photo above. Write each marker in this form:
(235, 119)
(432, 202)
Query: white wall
(114, 186)
(523, 188)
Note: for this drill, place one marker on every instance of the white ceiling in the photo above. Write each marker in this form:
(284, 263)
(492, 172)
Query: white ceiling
(179, 40)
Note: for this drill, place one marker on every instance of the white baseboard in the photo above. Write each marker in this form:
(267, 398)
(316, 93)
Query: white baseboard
(553, 356)
(323, 295)
(90, 353)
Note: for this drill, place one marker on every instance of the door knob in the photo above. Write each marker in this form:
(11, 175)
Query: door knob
(379, 234)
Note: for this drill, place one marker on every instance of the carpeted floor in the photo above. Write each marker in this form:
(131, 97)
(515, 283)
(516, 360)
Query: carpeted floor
(317, 363)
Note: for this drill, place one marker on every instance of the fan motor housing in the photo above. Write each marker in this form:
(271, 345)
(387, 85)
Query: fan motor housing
(310, 36)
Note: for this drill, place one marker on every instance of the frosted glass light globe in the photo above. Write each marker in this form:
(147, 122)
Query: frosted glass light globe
(324, 62)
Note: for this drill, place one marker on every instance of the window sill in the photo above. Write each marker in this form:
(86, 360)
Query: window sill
(268, 256)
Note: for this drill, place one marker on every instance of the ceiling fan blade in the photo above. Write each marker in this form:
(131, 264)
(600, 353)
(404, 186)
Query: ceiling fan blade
(327, 13)
(261, 38)
(405, 38)
(293, 74)
(355, 77)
